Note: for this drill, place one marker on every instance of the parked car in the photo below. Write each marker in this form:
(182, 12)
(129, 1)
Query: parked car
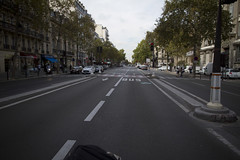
(231, 73)
(97, 68)
(76, 69)
(164, 68)
(88, 70)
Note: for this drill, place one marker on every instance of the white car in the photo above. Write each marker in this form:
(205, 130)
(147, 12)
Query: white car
(88, 70)
(164, 68)
(231, 73)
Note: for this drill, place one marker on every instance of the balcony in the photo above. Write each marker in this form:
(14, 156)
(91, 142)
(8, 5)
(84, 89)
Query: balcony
(24, 49)
(70, 53)
(7, 26)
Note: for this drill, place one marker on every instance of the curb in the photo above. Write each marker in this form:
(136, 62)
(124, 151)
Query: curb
(222, 115)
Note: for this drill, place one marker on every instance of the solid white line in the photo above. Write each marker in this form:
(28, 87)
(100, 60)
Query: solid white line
(64, 150)
(204, 101)
(110, 92)
(230, 93)
(39, 90)
(94, 111)
(118, 82)
(171, 98)
(223, 140)
(43, 94)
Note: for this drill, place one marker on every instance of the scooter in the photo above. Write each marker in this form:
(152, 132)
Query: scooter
(49, 70)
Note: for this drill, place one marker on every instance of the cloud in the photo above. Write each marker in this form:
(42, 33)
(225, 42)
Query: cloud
(127, 20)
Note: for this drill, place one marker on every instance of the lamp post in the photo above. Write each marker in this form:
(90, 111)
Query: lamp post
(215, 111)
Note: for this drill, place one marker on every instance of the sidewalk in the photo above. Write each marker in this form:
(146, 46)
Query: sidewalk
(184, 75)
(21, 76)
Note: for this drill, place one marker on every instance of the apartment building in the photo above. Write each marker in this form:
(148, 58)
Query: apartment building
(102, 32)
(20, 45)
(24, 48)
(231, 47)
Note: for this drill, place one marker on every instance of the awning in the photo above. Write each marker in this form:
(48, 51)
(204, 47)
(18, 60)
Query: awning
(28, 55)
(51, 59)
(207, 48)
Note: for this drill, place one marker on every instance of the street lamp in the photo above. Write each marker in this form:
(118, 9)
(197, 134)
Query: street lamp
(215, 111)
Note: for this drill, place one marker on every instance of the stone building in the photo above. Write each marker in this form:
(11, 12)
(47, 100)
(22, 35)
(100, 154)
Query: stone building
(23, 49)
(231, 47)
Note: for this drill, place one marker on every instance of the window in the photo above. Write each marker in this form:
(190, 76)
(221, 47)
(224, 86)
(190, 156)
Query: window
(23, 42)
(13, 41)
(6, 39)
(231, 9)
(238, 54)
(29, 45)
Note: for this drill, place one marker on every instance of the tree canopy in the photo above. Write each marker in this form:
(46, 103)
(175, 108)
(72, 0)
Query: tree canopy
(189, 22)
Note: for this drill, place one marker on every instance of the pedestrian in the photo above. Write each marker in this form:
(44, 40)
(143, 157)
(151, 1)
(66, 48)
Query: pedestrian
(190, 69)
(177, 71)
(181, 71)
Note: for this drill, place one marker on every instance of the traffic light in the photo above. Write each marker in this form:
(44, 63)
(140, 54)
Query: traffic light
(223, 60)
(152, 46)
(228, 1)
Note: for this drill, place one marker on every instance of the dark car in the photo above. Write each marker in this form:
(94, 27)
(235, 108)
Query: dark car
(76, 69)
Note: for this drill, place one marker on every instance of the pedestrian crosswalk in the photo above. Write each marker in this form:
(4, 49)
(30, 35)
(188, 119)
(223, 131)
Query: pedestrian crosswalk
(122, 75)
(143, 76)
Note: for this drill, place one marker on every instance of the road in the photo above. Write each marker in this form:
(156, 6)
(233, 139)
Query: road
(121, 110)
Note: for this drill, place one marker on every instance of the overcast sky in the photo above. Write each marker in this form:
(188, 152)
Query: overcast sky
(127, 21)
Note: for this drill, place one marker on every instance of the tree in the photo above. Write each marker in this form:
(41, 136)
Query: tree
(189, 22)
(33, 12)
(61, 16)
(185, 24)
(141, 52)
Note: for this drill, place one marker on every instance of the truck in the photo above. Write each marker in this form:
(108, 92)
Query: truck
(207, 69)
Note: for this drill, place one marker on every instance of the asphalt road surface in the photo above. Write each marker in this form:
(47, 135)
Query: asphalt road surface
(121, 110)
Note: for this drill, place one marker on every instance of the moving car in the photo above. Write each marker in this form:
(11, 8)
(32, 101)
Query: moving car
(143, 67)
(76, 69)
(88, 70)
(164, 68)
(231, 73)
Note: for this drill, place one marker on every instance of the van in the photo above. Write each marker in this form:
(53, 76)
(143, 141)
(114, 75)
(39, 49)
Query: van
(208, 68)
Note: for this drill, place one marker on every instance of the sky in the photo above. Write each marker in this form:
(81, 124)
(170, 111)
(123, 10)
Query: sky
(127, 21)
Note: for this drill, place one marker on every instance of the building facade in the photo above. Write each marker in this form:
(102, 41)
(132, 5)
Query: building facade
(102, 32)
(24, 50)
(231, 47)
